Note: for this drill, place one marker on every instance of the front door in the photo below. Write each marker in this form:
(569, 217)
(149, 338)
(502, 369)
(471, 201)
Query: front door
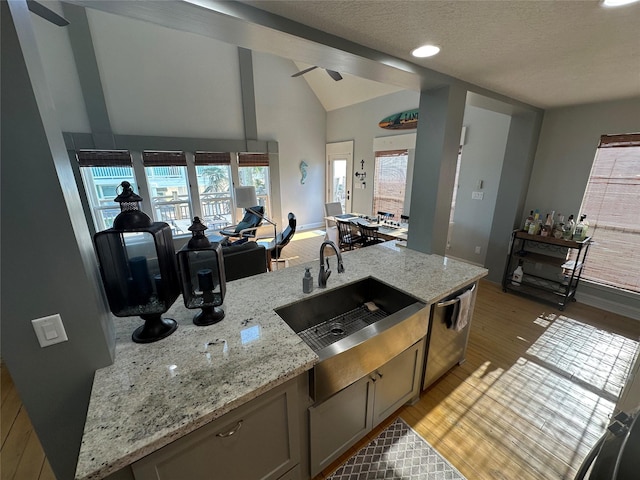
(339, 173)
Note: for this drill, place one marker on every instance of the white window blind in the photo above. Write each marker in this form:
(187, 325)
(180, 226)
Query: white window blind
(612, 205)
(390, 182)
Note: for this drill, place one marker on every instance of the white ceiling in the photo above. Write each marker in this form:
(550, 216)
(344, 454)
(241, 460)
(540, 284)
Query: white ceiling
(542, 52)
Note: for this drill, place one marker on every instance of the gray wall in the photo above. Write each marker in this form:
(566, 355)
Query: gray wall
(359, 123)
(48, 265)
(566, 149)
(481, 160)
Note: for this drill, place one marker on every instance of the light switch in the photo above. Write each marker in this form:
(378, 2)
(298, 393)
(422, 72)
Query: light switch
(49, 330)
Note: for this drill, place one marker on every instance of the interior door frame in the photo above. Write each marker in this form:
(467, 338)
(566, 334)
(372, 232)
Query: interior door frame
(340, 151)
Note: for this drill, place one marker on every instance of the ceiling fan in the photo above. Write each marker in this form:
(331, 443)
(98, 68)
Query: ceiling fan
(332, 73)
(47, 14)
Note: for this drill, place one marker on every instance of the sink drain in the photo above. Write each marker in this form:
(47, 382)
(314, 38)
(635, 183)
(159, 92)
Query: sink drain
(336, 329)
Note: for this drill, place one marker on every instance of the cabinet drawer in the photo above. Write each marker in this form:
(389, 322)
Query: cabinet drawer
(256, 441)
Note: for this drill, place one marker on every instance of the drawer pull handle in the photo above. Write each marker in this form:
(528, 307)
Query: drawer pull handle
(233, 431)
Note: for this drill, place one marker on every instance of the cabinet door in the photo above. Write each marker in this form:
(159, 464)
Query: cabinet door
(256, 441)
(339, 422)
(397, 382)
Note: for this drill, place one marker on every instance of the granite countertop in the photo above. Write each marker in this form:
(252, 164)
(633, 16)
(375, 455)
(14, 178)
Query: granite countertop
(158, 392)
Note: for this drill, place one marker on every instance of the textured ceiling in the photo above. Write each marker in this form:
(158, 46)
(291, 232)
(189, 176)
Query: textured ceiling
(542, 52)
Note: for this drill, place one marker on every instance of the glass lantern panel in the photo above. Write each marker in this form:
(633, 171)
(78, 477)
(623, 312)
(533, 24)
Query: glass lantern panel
(203, 280)
(144, 282)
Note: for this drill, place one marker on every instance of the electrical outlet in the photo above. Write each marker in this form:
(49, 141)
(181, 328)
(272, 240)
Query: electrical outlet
(477, 195)
(49, 330)
(478, 249)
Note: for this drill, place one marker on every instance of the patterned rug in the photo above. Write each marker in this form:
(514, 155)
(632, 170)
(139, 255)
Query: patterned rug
(398, 453)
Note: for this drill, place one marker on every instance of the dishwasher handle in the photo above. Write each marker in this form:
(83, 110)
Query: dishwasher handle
(446, 303)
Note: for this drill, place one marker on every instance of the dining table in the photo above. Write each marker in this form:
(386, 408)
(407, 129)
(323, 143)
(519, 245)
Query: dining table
(387, 230)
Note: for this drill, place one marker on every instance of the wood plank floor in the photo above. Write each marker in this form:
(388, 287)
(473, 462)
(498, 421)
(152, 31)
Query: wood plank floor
(525, 405)
(21, 455)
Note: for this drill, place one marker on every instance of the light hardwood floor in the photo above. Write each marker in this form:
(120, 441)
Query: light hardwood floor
(21, 455)
(534, 394)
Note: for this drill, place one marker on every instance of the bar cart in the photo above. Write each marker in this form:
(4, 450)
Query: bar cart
(551, 266)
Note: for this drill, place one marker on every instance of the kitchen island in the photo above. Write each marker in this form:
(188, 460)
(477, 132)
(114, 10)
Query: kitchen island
(157, 393)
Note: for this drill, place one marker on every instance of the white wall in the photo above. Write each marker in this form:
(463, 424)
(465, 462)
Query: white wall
(167, 82)
(360, 123)
(481, 160)
(289, 113)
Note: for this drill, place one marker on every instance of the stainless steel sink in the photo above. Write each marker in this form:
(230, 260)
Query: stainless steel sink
(355, 329)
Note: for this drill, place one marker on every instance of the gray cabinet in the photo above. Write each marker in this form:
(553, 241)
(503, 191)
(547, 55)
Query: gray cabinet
(259, 440)
(397, 382)
(340, 421)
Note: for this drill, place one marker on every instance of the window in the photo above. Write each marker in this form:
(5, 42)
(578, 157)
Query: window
(166, 174)
(253, 170)
(177, 191)
(612, 205)
(213, 174)
(390, 182)
(102, 172)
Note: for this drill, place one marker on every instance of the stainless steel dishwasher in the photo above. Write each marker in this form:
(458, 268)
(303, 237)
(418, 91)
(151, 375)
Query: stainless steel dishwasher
(446, 346)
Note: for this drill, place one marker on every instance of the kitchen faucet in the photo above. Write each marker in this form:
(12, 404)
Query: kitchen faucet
(324, 274)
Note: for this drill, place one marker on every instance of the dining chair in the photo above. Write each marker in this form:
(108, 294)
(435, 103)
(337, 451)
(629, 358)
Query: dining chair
(369, 235)
(348, 235)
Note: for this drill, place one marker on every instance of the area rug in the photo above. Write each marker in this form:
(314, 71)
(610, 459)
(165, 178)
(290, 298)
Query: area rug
(398, 453)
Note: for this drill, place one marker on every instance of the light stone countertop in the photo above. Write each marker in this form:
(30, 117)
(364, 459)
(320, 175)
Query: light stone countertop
(156, 393)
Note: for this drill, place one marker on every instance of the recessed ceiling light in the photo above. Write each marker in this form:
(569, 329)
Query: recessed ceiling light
(425, 51)
(617, 3)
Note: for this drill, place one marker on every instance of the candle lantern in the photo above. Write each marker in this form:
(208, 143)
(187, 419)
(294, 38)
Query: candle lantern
(202, 275)
(138, 268)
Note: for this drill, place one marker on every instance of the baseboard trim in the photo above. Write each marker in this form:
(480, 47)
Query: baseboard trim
(621, 307)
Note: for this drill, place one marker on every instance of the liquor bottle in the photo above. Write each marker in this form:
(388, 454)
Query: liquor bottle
(567, 231)
(527, 221)
(549, 220)
(516, 278)
(580, 232)
(558, 226)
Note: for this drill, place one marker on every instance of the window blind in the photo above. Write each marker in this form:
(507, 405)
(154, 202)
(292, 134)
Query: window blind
(392, 153)
(612, 205)
(212, 158)
(390, 181)
(163, 158)
(104, 158)
(253, 159)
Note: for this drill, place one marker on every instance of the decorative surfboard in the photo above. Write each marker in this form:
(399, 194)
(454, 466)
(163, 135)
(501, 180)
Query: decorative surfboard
(400, 121)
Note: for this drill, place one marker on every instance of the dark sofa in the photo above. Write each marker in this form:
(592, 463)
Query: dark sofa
(244, 260)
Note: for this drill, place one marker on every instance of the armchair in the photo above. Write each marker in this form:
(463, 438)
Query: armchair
(247, 227)
(274, 247)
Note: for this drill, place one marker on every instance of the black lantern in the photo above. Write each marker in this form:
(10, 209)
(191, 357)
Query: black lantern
(138, 268)
(202, 275)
